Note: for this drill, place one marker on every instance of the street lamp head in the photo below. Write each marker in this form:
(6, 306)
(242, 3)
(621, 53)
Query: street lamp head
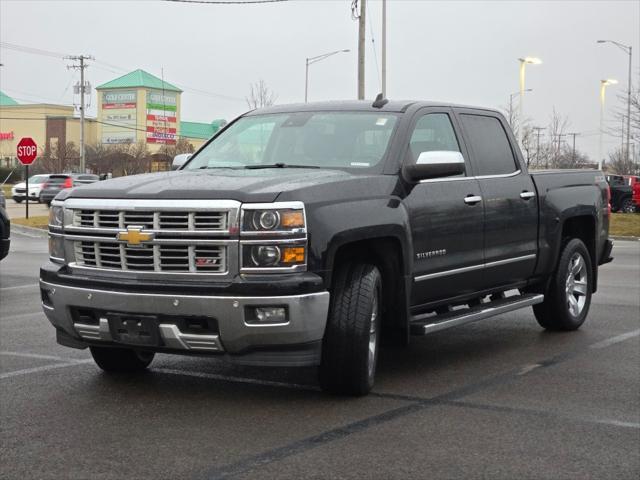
(602, 41)
(346, 50)
(609, 81)
(531, 60)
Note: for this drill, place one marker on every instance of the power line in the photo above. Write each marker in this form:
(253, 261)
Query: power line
(230, 2)
(35, 51)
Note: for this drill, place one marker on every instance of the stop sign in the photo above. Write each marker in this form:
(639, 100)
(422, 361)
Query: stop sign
(27, 150)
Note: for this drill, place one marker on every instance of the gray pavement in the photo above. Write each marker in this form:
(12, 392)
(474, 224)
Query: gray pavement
(500, 399)
(18, 210)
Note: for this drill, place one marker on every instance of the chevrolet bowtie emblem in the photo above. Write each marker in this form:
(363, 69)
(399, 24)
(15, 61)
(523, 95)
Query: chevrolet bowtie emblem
(134, 236)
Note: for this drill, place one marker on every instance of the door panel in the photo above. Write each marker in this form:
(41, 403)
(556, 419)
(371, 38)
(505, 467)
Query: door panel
(510, 228)
(447, 235)
(509, 198)
(447, 232)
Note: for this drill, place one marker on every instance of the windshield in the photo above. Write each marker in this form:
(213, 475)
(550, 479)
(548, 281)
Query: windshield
(303, 139)
(38, 179)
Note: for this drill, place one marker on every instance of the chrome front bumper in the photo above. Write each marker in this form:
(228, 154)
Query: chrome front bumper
(306, 320)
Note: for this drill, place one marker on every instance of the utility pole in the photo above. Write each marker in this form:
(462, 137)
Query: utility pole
(361, 48)
(538, 130)
(559, 135)
(82, 66)
(573, 150)
(384, 48)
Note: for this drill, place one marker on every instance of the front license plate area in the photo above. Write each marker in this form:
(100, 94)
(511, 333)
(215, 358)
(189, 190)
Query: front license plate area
(134, 329)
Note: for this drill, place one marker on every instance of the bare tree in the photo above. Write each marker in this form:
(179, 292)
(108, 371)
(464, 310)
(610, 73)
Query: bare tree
(260, 95)
(61, 157)
(557, 131)
(618, 163)
(181, 146)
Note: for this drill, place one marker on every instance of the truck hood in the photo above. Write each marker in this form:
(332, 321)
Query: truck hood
(262, 185)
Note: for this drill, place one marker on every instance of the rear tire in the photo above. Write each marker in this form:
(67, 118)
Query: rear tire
(17, 200)
(566, 303)
(121, 360)
(351, 340)
(627, 206)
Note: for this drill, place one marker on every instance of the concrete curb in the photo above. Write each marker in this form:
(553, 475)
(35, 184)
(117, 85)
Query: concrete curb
(29, 231)
(627, 239)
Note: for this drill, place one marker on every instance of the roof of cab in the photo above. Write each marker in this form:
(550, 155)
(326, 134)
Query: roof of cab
(396, 106)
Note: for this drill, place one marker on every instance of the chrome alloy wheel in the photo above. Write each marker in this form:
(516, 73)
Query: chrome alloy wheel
(373, 337)
(576, 285)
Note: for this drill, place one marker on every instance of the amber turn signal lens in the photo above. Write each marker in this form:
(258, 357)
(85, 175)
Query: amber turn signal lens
(293, 255)
(292, 219)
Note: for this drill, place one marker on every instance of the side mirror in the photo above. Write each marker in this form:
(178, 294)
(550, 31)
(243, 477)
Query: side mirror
(180, 160)
(435, 164)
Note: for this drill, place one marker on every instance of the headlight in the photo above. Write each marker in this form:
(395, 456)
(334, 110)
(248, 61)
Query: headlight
(56, 216)
(277, 256)
(277, 217)
(56, 247)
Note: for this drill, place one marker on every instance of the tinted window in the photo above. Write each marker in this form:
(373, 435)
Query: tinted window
(57, 180)
(433, 132)
(490, 145)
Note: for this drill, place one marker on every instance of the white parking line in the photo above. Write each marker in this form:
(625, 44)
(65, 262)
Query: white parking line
(44, 368)
(22, 315)
(617, 339)
(17, 287)
(37, 355)
(251, 381)
(528, 368)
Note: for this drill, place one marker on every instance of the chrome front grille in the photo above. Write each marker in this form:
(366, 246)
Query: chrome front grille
(145, 238)
(152, 258)
(162, 220)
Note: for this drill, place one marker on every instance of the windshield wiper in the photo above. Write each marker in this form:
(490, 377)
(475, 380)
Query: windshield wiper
(278, 165)
(207, 167)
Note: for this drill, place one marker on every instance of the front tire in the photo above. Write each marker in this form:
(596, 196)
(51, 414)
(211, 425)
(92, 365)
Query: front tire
(568, 297)
(351, 340)
(121, 360)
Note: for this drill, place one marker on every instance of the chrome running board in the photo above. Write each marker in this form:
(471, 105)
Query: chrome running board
(425, 324)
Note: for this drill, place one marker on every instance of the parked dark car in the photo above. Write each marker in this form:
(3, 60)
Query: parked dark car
(621, 194)
(301, 235)
(57, 182)
(5, 227)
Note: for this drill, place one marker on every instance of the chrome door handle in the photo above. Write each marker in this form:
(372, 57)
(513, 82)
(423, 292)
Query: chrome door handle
(527, 195)
(472, 199)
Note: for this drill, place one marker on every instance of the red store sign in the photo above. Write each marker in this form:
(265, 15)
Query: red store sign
(6, 136)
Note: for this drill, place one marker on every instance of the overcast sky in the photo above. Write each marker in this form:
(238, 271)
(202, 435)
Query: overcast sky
(463, 52)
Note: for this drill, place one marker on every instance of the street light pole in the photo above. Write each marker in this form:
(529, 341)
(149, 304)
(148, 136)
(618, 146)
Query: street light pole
(311, 61)
(628, 50)
(603, 86)
(523, 63)
(511, 95)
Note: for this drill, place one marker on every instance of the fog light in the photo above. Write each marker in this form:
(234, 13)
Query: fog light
(265, 315)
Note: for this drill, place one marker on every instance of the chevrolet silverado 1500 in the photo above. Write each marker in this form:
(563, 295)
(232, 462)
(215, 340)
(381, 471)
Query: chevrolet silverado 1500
(305, 234)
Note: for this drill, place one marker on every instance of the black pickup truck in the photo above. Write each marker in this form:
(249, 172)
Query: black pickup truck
(305, 234)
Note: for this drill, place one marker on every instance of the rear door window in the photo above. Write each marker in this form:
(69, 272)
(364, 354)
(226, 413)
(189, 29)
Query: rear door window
(490, 145)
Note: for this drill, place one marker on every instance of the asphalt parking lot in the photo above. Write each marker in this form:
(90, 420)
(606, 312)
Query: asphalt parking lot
(17, 210)
(500, 399)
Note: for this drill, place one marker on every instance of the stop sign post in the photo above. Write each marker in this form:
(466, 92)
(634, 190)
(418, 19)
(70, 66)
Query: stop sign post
(27, 153)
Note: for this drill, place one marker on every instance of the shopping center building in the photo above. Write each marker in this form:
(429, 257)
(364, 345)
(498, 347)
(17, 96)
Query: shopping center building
(135, 108)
